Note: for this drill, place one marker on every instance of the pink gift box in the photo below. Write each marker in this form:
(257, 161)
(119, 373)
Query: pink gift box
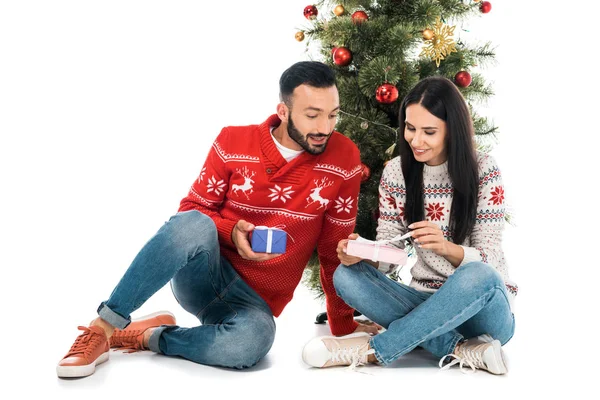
(371, 250)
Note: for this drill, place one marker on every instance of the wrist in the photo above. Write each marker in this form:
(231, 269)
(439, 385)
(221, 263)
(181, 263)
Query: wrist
(449, 249)
(454, 254)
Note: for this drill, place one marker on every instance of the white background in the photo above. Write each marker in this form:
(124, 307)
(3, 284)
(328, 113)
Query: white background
(107, 110)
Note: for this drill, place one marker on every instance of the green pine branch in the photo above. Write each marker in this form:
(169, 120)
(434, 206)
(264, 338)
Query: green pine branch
(386, 49)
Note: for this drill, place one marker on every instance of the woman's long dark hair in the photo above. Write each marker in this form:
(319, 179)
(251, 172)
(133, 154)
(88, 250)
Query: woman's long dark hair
(441, 98)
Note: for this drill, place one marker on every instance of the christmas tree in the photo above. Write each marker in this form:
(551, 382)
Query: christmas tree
(380, 49)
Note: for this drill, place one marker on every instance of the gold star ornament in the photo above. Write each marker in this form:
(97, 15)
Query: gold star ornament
(441, 44)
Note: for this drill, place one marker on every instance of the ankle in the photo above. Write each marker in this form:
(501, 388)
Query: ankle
(458, 347)
(146, 338)
(108, 328)
(371, 357)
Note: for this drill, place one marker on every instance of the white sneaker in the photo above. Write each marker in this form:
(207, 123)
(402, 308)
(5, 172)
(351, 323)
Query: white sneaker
(482, 352)
(330, 351)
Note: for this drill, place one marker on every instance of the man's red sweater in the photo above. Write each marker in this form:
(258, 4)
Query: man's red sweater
(314, 196)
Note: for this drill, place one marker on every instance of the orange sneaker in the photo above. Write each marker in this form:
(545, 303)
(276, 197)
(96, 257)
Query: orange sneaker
(90, 349)
(132, 337)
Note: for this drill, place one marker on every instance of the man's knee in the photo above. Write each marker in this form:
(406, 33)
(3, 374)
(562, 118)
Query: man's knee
(251, 342)
(192, 227)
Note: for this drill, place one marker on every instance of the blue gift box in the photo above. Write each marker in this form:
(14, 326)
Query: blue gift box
(268, 240)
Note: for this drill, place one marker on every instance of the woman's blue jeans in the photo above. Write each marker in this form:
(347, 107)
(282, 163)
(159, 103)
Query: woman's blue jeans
(473, 301)
(237, 328)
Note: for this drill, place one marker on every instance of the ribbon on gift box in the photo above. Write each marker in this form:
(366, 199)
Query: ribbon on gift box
(269, 230)
(377, 244)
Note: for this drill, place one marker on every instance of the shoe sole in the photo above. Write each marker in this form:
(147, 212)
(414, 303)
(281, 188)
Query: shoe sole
(499, 367)
(79, 371)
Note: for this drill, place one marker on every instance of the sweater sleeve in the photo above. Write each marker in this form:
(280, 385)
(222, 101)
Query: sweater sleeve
(338, 224)
(207, 193)
(392, 197)
(486, 237)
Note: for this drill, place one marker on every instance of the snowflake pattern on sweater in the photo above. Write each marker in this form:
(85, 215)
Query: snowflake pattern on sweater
(313, 197)
(485, 242)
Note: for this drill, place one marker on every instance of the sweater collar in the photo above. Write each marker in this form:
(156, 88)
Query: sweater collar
(266, 141)
(430, 171)
(269, 149)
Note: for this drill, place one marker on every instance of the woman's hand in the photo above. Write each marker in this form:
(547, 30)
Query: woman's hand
(428, 235)
(341, 251)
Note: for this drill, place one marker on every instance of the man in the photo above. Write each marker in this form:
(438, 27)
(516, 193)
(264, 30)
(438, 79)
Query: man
(294, 172)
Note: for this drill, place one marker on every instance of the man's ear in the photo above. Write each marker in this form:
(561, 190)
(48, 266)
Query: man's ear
(283, 112)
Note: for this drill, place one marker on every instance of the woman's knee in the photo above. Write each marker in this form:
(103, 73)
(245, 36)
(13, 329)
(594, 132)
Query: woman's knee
(346, 276)
(477, 275)
(350, 281)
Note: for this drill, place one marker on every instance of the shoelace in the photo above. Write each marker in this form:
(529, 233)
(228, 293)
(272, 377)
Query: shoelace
(127, 340)
(85, 343)
(471, 358)
(352, 356)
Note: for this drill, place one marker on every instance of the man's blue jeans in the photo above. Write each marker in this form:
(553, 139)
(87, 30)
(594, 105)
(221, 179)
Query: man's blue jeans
(237, 328)
(473, 301)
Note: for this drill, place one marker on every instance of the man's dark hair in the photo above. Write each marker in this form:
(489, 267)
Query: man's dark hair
(311, 73)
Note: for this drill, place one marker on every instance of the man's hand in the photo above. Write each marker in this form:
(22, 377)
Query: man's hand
(239, 237)
(368, 326)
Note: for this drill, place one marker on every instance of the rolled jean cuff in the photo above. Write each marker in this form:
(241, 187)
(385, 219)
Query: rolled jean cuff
(112, 317)
(154, 341)
(380, 359)
(453, 345)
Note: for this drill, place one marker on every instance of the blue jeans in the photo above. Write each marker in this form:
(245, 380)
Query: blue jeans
(473, 301)
(238, 328)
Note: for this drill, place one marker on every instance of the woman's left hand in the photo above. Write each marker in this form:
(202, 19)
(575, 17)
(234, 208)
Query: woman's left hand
(428, 235)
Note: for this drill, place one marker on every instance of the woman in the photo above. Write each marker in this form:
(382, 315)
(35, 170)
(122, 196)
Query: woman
(451, 200)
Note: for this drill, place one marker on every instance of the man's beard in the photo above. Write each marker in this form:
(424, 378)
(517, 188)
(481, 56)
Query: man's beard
(303, 141)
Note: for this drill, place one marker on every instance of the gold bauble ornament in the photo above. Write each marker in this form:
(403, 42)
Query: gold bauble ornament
(300, 36)
(427, 34)
(339, 10)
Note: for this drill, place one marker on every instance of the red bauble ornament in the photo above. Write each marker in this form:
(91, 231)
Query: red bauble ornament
(359, 17)
(311, 12)
(485, 7)
(462, 79)
(365, 173)
(333, 50)
(342, 56)
(386, 93)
